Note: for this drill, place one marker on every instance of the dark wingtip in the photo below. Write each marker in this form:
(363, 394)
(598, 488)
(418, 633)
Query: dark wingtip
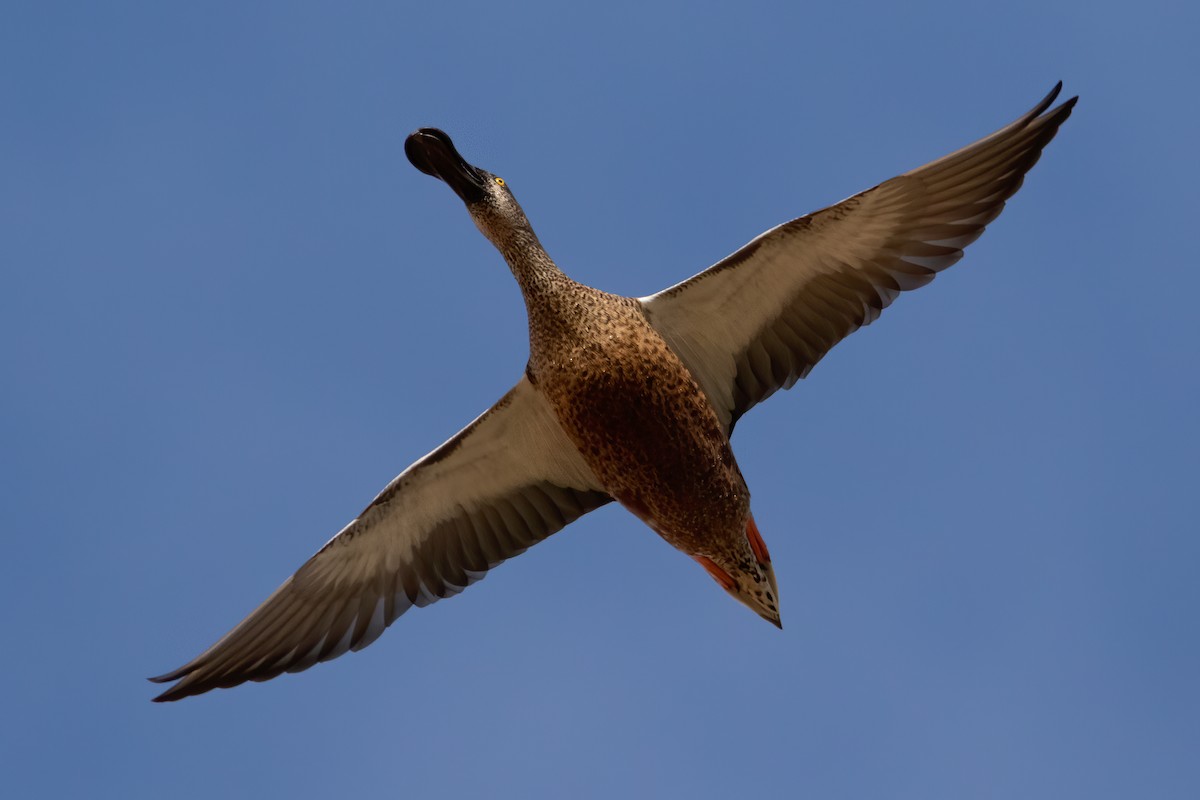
(173, 675)
(178, 692)
(1062, 111)
(1054, 93)
(166, 696)
(1059, 113)
(1037, 110)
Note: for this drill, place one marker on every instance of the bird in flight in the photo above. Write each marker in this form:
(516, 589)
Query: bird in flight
(626, 399)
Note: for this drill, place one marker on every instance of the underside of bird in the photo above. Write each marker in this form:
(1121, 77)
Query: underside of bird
(691, 361)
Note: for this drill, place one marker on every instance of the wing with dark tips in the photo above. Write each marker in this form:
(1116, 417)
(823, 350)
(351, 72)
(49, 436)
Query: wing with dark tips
(508, 480)
(759, 320)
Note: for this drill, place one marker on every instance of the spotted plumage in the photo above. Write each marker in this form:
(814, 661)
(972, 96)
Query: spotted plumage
(631, 399)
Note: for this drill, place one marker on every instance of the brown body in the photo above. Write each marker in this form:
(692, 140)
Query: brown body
(635, 413)
(638, 418)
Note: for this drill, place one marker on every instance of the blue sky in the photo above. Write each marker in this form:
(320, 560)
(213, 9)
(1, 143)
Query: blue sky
(232, 311)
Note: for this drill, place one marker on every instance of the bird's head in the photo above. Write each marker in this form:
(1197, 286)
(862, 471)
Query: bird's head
(490, 202)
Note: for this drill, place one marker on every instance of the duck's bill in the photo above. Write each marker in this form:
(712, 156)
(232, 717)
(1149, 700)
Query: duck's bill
(431, 151)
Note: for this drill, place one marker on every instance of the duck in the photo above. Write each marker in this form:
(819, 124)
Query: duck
(624, 399)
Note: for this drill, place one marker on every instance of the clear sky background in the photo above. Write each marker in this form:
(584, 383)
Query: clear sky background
(231, 311)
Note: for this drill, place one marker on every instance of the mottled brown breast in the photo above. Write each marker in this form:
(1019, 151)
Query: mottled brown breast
(638, 417)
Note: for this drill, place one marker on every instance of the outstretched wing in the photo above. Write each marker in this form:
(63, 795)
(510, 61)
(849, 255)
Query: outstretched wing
(505, 482)
(759, 320)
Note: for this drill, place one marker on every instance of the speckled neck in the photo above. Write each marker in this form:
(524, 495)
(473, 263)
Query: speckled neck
(508, 229)
(558, 307)
(531, 265)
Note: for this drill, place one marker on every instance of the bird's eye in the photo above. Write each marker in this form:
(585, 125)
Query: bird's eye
(499, 181)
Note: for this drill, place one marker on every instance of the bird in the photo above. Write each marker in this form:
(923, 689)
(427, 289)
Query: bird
(624, 399)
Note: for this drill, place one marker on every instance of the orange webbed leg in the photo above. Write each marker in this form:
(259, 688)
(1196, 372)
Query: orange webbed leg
(756, 542)
(719, 575)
